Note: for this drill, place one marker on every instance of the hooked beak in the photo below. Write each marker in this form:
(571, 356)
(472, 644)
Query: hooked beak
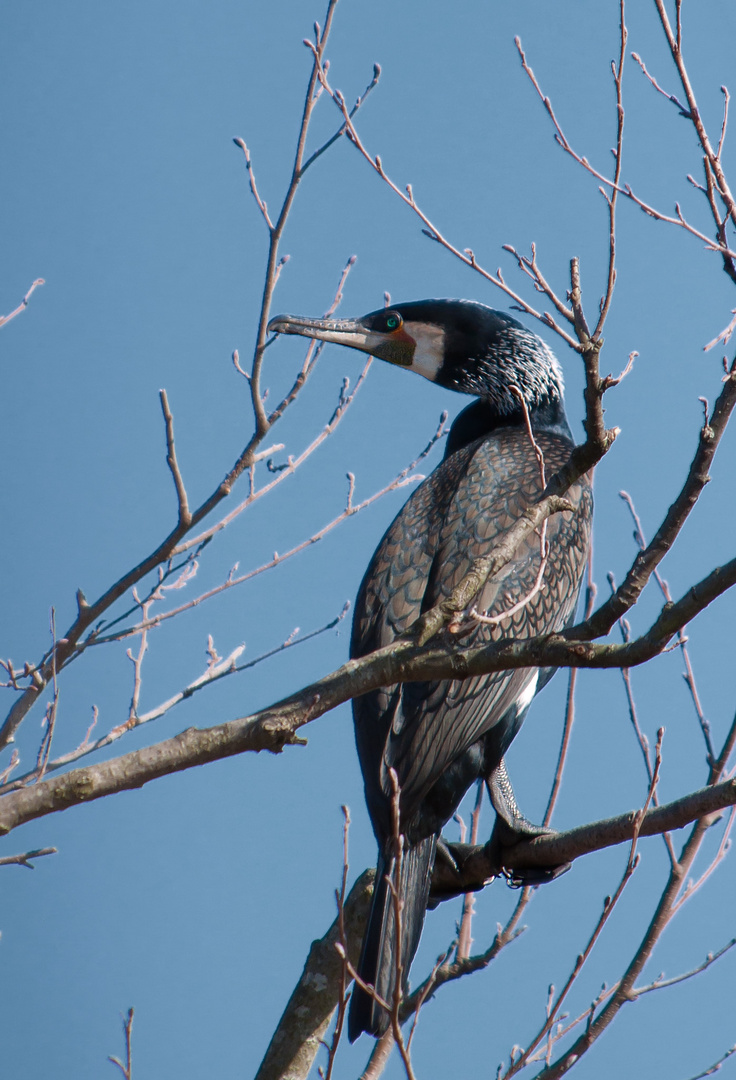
(396, 348)
(340, 331)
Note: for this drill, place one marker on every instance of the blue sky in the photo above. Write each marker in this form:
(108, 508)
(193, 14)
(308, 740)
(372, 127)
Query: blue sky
(195, 899)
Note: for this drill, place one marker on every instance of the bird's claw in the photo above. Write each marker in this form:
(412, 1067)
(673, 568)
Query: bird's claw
(504, 837)
(531, 876)
(511, 827)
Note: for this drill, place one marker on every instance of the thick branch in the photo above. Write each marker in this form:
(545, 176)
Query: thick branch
(276, 726)
(297, 1037)
(306, 1016)
(476, 867)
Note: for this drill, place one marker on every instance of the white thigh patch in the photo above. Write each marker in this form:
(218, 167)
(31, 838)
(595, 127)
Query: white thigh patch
(524, 699)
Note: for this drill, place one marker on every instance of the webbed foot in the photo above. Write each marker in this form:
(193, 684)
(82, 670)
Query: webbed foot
(511, 827)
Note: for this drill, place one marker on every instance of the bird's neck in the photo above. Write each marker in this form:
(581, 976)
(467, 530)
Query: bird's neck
(481, 419)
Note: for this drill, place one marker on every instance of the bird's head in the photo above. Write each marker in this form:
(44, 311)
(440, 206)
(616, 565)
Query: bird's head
(458, 344)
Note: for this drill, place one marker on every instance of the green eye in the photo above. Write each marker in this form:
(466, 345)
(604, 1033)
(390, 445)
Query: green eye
(393, 321)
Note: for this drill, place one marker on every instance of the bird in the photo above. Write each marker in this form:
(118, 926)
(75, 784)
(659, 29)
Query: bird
(426, 743)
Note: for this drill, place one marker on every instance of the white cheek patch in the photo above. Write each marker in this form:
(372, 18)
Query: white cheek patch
(430, 349)
(524, 699)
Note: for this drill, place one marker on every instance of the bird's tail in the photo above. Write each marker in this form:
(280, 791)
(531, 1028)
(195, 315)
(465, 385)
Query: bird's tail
(377, 965)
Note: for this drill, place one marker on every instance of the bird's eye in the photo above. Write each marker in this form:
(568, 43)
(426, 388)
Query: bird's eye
(394, 321)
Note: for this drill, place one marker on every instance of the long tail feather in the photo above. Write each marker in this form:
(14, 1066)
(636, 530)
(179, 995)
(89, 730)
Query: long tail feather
(377, 965)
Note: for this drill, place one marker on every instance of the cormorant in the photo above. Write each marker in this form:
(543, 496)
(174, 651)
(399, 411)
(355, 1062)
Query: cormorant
(441, 736)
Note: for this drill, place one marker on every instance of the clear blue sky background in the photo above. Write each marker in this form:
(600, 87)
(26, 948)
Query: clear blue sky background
(195, 899)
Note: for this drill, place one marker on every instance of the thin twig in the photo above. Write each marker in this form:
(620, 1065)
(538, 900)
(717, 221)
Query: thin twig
(451, 971)
(276, 231)
(214, 673)
(725, 335)
(313, 351)
(394, 883)
(693, 886)
(590, 595)
(675, 43)
(23, 304)
(51, 709)
(26, 857)
(618, 74)
(716, 1066)
(342, 130)
(649, 558)
(681, 636)
(67, 647)
(467, 256)
(661, 982)
(464, 938)
(342, 937)
(401, 480)
(253, 186)
(634, 717)
(724, 123)
(126, 1069)
(670, 97)
(660, 920)
(678, 219)
(609, 905)
(185, 516)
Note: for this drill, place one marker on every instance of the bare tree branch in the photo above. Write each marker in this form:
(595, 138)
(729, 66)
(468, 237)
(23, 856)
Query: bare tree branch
(26, 857)
(716, 1066)
(23, 304)
(298, 1036)
(185, 516)
(661, 983)
(647, 560)
(476, 867)
(216, 671)
(618, 75)
(126, 1068)
(671, 898)
(276, 726)
(590, 595)
(678, 219)
(554, 1004)
(67, 647)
